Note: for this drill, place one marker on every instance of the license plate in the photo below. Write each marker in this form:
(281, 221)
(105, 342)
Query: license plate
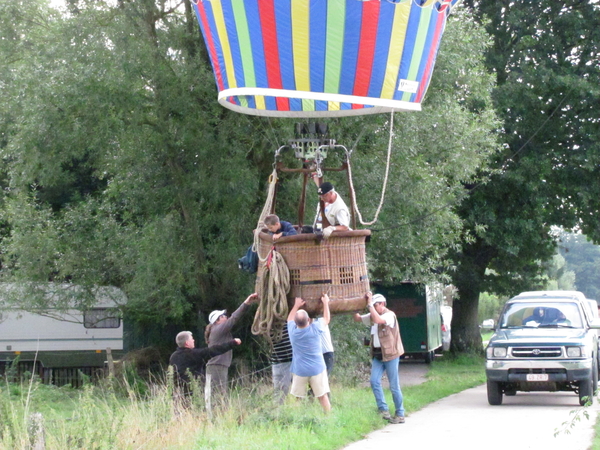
(537, 377)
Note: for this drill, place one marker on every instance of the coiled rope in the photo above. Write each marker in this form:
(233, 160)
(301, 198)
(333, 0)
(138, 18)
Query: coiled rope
(264, 213)
(272, 293)
(274, 285)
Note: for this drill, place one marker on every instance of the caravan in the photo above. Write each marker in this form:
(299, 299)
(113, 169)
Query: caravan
(61, 344)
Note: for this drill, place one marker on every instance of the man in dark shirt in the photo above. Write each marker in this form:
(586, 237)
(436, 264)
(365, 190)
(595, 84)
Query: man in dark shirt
(279, 228)
(188, 360)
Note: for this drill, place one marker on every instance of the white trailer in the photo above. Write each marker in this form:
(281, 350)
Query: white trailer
(58, 344)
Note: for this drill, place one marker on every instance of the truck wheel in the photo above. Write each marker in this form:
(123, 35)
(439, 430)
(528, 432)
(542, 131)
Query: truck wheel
(494, 393)
(586, 393)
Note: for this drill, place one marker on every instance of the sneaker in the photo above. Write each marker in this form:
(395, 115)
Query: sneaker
(385, 415)
(397, 419)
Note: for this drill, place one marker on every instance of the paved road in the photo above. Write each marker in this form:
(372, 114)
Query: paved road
(468, 422)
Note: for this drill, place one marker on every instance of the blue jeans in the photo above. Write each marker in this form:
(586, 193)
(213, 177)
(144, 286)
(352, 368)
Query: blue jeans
(391, 369)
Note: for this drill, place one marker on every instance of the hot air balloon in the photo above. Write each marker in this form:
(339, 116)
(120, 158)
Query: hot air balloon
(321, 58)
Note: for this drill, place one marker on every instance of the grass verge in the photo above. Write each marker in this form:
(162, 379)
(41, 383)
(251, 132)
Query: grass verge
(95, 418)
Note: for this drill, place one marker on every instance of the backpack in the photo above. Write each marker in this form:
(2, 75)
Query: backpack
(249, 262)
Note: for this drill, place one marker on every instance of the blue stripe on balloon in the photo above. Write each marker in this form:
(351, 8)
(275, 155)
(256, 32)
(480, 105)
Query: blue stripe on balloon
(283, 15)
(317, 38)
(234, 42)
(258, 52)
(295, 104)
(351, 43)
(409, 47)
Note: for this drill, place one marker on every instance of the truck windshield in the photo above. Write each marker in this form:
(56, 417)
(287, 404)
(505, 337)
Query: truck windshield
(537, 314)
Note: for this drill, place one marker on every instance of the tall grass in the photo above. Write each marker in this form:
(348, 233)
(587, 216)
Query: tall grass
(121, 416)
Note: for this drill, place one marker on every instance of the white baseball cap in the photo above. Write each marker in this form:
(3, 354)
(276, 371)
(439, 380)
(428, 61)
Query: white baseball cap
(378, 298)
(213, 316)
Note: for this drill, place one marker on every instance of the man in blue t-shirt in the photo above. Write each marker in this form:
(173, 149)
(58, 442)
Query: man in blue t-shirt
(308, 365)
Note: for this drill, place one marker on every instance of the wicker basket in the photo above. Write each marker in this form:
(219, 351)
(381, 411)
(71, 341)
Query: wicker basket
(336, 266)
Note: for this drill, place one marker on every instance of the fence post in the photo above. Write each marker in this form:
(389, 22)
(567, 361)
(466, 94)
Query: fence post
(207, 394)
(35, 428)
(111, 363)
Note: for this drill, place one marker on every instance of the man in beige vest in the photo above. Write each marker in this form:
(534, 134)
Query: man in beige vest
(386, 349)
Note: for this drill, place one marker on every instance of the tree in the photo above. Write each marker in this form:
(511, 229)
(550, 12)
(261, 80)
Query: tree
(560, 277)
(582, 258)
(545, 58)
(123, 170)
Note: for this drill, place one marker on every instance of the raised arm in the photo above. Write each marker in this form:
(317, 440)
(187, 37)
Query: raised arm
(375, 317)
(326, 311)
(298, 303)
(238, 313)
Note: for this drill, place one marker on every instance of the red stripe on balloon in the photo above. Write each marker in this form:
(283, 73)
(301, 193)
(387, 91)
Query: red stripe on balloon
(439, 28)
(211, 46)
(366, 51)
(271, 48)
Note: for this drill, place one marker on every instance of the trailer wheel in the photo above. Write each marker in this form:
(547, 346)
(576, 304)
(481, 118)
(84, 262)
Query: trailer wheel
(429, 356)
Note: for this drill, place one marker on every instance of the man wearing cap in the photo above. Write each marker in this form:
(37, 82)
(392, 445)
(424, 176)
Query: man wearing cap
(189, 360)
(336, 211)
(386, 349)
(217, 332)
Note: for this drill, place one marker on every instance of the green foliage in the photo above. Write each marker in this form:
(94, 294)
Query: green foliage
(582, 259)
(124, 174)
(559, 277)
(351, 356)
(490, 306)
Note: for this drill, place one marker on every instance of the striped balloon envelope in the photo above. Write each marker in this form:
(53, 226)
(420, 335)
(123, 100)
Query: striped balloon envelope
(322, 58)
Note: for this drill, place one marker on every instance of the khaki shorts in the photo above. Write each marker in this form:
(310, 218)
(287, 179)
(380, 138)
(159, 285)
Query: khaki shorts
(318, 383)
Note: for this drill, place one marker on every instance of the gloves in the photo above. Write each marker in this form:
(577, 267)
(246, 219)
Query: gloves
(327, 232)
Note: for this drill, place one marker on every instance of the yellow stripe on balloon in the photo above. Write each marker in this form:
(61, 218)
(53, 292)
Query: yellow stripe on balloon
(224, 39)
(301, 44)
(260, 102)
(333, 106)
(398, 37)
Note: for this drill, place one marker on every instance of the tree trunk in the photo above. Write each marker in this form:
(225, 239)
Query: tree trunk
(468, 280)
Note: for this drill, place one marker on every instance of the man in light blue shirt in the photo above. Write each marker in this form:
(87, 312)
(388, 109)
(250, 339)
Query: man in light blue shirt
(308, 365)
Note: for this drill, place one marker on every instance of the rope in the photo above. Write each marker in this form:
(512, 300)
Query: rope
(265, 212)
(385, 179)
(272, 292)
